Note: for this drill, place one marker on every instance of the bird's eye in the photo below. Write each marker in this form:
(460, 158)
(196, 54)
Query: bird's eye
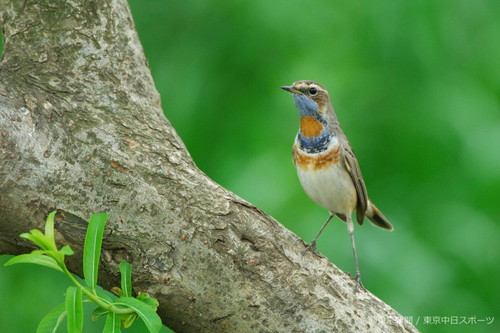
(313, 91)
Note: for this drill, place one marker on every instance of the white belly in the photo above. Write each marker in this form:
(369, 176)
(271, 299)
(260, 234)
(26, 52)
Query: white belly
(330, 187)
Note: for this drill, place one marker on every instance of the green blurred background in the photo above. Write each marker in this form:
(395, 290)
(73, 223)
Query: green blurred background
(416, 86)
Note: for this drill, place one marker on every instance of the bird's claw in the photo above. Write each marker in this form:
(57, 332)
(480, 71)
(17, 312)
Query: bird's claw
(310, 247)
(359, 285)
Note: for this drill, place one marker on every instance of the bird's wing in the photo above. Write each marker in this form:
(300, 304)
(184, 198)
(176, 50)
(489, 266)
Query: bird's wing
(352, 166)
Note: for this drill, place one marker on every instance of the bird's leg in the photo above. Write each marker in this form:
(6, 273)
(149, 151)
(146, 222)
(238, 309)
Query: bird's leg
(350, 228)
(312, 245)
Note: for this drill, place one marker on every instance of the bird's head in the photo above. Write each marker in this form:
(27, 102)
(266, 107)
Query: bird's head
(311, 98)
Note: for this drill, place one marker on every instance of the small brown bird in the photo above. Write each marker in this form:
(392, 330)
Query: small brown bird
(326, 165)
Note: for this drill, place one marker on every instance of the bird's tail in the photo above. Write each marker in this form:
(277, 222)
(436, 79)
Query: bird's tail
(376, 217)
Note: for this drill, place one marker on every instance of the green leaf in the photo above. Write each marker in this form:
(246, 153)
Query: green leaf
(66, 250)
(38, 238)
(31, 258)
(52, 320)
(117, 291)
(56, 255)
(74, 309)
(128, 320)
(49, 231)
(112, 323)
(29, 237)
(152, 302)
(126, 278)
(145, 312)
(104, 296)
(92, 249)
(98, 313)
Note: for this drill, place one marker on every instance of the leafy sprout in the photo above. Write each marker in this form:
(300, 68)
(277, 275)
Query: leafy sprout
(121, 312)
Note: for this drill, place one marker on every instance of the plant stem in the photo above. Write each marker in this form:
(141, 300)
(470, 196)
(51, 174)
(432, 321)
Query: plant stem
(96, 299)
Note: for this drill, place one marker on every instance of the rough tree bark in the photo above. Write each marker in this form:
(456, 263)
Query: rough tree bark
(82, 131)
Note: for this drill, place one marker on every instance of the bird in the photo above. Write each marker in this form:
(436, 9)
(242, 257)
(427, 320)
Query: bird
(326, 165)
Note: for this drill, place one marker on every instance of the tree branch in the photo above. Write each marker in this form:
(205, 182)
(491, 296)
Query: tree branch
(83, 132)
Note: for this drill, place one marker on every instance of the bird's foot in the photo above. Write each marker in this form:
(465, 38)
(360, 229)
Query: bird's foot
(310, 247)
(359, 285)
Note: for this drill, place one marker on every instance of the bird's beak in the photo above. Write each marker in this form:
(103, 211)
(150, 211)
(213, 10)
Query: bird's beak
(290, 89)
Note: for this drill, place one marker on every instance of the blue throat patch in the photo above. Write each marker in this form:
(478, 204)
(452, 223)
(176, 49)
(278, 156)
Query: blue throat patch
(305, 105)
(317, 144)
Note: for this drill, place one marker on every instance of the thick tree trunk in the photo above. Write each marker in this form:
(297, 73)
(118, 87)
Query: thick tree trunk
(82, 131)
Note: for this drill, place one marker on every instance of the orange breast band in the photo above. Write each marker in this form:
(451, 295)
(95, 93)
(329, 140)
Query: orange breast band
(310, 127)
(317, 161)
